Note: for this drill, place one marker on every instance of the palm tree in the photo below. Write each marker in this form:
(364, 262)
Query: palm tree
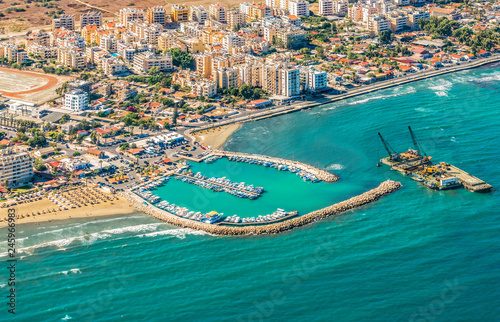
(100, 163)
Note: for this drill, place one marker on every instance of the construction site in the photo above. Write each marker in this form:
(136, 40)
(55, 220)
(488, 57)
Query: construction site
(438, 176)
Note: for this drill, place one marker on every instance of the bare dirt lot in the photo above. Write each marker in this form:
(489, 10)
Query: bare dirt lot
(29, 86)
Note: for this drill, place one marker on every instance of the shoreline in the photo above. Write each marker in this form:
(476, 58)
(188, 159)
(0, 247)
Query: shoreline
(216, 137)
(328, 99)
(117, 207)
(385, 188)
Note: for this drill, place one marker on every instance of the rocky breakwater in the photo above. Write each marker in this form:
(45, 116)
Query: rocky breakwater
(383, 189)
(320, 174)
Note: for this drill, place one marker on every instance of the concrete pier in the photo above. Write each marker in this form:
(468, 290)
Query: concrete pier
(383, 189)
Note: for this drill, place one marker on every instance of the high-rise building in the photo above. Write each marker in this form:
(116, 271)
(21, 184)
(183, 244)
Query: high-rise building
(128, 15)
(64, 21)
(180, 13)
(217, 12)
(16, 167)
(156, 15)
(226, 77)
(198, 14)
(290, 81)
(91, 18)
(298, 8)
(235, 19)
(378, 24)
(326, 7)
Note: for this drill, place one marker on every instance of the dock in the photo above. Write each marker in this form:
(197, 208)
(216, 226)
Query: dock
(218, 184)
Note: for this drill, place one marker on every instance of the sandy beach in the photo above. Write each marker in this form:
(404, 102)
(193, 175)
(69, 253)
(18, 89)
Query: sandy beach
(38, 210)
(216, 137)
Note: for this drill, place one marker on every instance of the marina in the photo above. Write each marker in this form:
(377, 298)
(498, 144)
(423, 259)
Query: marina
(385, 188)
(440, 176)
(221, 184)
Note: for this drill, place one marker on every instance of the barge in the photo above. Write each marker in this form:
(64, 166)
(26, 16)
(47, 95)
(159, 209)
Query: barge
(439, 176)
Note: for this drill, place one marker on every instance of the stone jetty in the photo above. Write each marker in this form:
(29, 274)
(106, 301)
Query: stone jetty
(320, 174)
(383, 189)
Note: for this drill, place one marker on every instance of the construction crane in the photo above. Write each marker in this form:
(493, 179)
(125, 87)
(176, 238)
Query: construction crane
(393, 155)
(417, 145)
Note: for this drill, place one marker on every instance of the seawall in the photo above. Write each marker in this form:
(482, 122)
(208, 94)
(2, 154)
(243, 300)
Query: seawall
(374, 194)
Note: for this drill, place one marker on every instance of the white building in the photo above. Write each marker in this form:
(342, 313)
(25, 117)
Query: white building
(313, 80)
(298, 8)
(290, 81)
(16, 167)
(76, 101)
(198, 14)
(325, 7)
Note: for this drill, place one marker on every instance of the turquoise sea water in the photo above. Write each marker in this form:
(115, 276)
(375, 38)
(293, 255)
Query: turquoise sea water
(415, 255)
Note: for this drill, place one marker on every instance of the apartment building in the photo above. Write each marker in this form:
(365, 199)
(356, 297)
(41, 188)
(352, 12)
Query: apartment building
(340, 7)
(378, 24)
(108, 42)
(166, 41)
(204, 88)
(156, 15)
(398, 22)
(226, 77)
(64, 21)
(325, 7)
(71, 57)
(143, 62)
(290, 80)
(180, 13)
(232, 40)
(128, 15)
(413, 17)
(204, 64)
(235, 19)
(91, 18)
(76, 101)
(312, 80)
(298, 8)
(355, 13)
(13, 53)
(251, 74)
(271, 79)
(217, 12)
(41, 51)
(38, 37)
(123, 90)
(16, 167)
(198, 14)
(112, 66)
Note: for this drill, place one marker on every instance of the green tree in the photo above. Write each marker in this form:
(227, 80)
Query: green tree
(385, 37)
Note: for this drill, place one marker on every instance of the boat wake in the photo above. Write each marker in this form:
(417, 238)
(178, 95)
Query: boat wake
(335, 166)
(71, 271)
